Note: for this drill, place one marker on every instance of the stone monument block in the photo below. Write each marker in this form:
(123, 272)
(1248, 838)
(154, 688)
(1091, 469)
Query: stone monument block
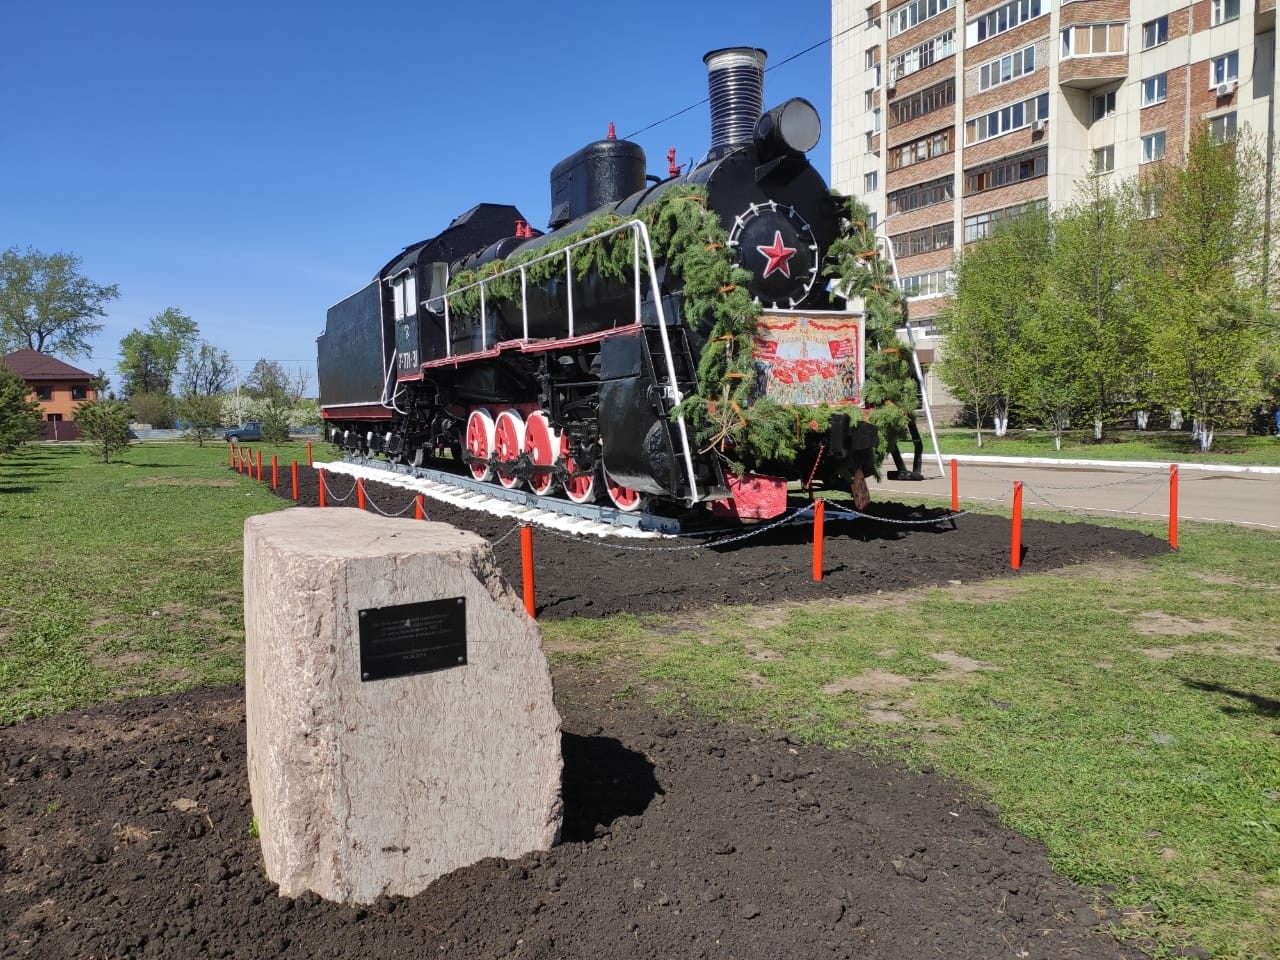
(368, 777)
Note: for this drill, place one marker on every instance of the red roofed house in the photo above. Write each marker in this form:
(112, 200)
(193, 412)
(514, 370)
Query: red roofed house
(58, 387)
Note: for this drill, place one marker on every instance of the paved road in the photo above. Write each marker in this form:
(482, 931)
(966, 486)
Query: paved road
(1248, 499)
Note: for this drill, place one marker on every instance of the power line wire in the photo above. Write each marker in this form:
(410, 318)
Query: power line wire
(771, 67)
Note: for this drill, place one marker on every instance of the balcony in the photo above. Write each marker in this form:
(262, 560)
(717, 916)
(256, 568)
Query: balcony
(1085, 73)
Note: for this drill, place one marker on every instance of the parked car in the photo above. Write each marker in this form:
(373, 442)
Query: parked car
(244, 433)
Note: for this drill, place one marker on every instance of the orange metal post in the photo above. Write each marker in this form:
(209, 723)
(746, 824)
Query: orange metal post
(309, 453)
(819, 510)
(231, 454)
(320, 477)
(526, 556)
(360, 493)
(955, 488)
(294, 466)
(275, 473)
(1015, 542)
(419, 508)
(259, 466)
(1173, 506)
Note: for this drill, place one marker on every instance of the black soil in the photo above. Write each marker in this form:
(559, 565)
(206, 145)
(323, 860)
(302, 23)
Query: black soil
(124, 829)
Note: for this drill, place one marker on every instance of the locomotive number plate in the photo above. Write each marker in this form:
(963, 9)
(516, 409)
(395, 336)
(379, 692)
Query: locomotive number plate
(413, 638)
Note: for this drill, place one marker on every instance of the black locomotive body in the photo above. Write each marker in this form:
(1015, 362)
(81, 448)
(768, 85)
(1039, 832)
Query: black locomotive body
(570, 386)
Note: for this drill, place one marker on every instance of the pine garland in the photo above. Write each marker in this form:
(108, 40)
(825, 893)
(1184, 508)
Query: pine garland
(890, 391)
(725, 413)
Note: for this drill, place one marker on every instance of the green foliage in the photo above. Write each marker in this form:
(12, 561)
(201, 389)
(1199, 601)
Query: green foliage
(105, 423)
(46, 305)
(275, 413)
(890, 391)
(19, 416)
(1100, 309)
(202, 416)
(1201, 282)
(150, 358)
(206, 371)
(156, 409)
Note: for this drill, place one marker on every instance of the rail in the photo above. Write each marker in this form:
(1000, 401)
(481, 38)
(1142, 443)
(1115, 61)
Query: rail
(640, 244)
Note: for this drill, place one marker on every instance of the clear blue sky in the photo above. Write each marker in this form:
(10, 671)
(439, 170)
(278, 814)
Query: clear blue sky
(253, 163)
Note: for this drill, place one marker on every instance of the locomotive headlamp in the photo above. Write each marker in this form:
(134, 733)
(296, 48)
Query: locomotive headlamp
(789, 128)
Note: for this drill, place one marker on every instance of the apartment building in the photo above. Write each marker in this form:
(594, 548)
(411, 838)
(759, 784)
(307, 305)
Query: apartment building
(949, 115)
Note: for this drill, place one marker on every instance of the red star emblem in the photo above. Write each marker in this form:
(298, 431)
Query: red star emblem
(779, 256)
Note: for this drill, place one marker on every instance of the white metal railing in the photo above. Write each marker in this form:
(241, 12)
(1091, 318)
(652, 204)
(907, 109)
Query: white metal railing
(640, 244)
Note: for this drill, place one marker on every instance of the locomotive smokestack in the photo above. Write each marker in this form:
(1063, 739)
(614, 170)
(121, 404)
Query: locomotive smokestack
(735, 78)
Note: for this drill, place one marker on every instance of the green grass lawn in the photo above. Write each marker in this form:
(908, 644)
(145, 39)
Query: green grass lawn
(1127, 716)
(1156, 446)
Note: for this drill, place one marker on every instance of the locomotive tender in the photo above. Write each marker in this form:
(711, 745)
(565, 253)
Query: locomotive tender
(572, 385)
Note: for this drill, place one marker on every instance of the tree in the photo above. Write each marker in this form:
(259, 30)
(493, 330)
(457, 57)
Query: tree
(150, 358)
(267, 379)
(47, 305)
(1093, 294)
(996, 293)
(105, 423)
(19, 416)
(206, 370)
(202, 415)
(1202, 279)
(275, 393)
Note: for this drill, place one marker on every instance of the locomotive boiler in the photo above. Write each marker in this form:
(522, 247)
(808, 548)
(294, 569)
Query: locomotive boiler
(578, 362)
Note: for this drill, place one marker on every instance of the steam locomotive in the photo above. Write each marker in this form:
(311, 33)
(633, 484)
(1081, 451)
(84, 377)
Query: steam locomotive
(571, 382)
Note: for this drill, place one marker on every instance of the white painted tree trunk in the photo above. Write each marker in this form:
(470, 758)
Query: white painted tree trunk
(1097, 429)
(1057, 442)
(1206, 438)
(1001, 419)
(1175, 419)
(1141, 418)
(1196, 425)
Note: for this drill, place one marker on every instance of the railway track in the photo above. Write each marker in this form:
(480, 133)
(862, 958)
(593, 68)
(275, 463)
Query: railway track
(586, 519)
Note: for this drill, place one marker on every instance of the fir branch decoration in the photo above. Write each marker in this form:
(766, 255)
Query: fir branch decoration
(890, 390)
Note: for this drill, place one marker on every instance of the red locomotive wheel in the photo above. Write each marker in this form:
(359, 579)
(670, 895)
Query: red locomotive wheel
(508, 444)
(624, 498)
(580, 487)
(480, 443)
(540, 443)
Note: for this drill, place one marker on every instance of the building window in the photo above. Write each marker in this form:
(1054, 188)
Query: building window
(926, 54)
(1093, 39)
(917, 151)
(1007, 171)
(1223, 127)
(925, 240)
(1153, 203)
(921, 195)
(933, 284)
(982, 225)
(54, 418)
(79, 393)
(1153, 147)
(1155, 89)
(870, 181)
(1104, 159)
(1104, 105)
(1222, 11)
(918, 11)
(1007, 119)
(873, 20)
(1006, 68)
(923, 102)
(1003, 19)
(871, 142)
(1155, 32)
(1225, 69)
(868, 100)
(871, 56)
(44, 393)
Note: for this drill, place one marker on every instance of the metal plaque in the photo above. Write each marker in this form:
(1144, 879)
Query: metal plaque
(413, 638)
